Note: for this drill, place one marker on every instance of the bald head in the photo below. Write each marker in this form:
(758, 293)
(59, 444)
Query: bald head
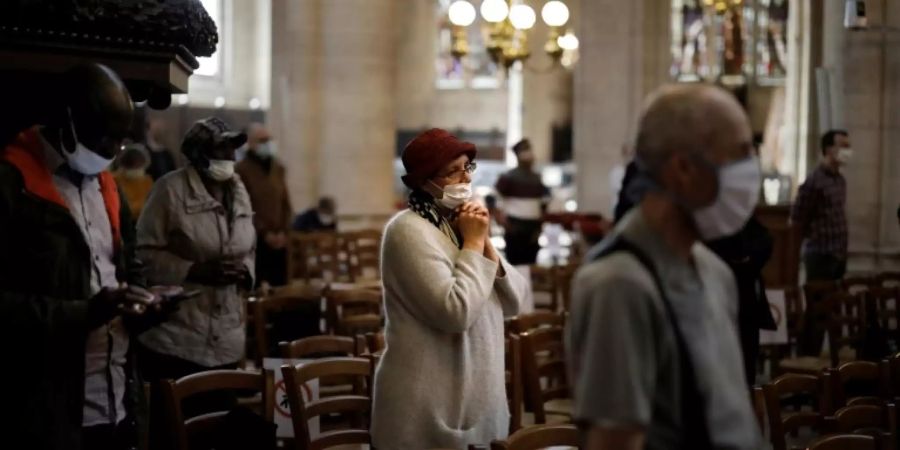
(256, 134)
(692, 120)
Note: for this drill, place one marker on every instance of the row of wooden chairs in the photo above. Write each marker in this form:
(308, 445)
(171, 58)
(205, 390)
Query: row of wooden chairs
(849, 310)
(349, 311)
(333, 256)
(854, 396)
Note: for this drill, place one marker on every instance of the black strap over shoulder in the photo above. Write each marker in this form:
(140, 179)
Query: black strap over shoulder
(693, 412)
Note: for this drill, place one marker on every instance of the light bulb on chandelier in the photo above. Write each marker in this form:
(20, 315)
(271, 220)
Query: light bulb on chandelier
(494, 11)
(461, 13)
(522, 17)
(568, 41)
(555, 13)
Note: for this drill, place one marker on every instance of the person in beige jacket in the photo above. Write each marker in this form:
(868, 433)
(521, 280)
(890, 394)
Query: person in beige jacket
(441, 382)
(197, 232)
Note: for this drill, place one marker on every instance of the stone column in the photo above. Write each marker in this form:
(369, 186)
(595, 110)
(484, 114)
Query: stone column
(624, 56)
(333, 101)
(866, 68)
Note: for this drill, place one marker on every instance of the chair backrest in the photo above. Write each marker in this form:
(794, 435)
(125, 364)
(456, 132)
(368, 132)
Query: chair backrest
(539, 437)
(375, 342)
(793, 386)
(354, 311)
(856, 382)
(564, 276)
(514, 387)
(530, 321)
(543, 281)
(365, 253)
(284, 299)
(862, 419)
(886, 302)
(758, 399)
(846, 322)
(198, 432)
(543, 369)
(891, 374)
(317, 346)
(845, 442)
(355, 405)
(320, 255)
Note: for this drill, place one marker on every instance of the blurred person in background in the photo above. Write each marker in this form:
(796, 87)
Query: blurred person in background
(132, 178)
(819, 212)
(524, 202)
(320, 218)
(652, 343)
(441, 381)
(265, 179)
(196, 231)
(161, 159)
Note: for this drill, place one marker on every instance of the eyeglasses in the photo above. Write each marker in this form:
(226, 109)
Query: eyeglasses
(469, 168)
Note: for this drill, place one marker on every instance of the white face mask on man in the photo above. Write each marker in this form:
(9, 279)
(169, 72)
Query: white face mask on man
(739, 185)
(844, 155)
(455, 195)
(83, 160)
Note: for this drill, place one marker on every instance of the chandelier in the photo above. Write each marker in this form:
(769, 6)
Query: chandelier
(721, 6)
(508, 24)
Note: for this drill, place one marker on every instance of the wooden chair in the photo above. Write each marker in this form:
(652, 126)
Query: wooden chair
(514, 387)
(758, 399)
(564, 276)
(543, 281)
(365, 253)
(846, 442)
(317, 346)
(354, 311)
(544, 377)
(530, 321)
(539, 437)
(318, 256)
(846, 324)
(792, 387)
(290, 298)
(891, 376)
(873, 420)
(356, 405)
(200, 432)
(856, 383)
(793, 305)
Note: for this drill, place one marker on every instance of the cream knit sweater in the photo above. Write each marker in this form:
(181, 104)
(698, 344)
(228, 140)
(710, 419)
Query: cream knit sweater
(441, 383)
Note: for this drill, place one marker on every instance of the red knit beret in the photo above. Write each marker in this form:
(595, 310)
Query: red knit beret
(430, 151)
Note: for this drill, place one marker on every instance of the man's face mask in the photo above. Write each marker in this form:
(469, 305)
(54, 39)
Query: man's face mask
(82, 159)
(738, 194)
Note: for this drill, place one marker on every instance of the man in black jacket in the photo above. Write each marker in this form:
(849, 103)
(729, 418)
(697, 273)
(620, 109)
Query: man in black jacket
(64, 272)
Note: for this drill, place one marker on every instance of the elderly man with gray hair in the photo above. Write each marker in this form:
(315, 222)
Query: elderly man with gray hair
(652, 340)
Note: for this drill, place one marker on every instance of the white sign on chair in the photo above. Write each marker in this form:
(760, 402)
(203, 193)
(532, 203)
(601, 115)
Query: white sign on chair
(282, 404)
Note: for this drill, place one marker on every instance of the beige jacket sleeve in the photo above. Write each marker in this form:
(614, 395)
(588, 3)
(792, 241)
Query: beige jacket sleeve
(163, 266)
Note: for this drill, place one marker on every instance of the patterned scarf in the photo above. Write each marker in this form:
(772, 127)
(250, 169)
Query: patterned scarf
(423, 205)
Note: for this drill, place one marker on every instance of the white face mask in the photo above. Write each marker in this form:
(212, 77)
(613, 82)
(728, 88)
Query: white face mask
(220, 169)
(83, 160)
(844, 155)
(739, 184)
(266, 149)
(454, 195)
(326, 219)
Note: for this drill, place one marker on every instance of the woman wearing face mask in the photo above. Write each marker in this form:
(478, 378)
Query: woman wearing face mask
(196, 231)
(441, 383)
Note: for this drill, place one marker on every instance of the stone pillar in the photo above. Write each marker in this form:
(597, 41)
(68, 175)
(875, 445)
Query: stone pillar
(866, 69)
(624, 56)
(333, 101)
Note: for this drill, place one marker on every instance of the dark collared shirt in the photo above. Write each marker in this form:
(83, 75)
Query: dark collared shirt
(820, 212)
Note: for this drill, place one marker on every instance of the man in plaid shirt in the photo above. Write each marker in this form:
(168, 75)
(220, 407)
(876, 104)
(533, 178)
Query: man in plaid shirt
(819, 212)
